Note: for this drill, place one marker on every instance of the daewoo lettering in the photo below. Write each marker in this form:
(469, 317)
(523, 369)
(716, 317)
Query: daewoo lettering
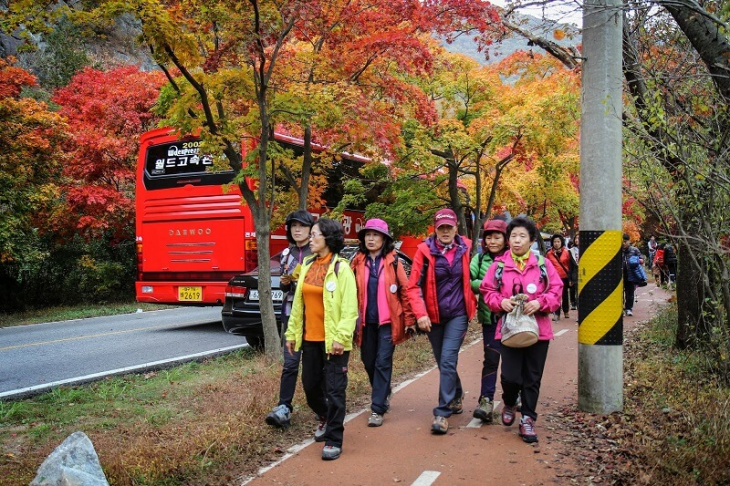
(190, 231)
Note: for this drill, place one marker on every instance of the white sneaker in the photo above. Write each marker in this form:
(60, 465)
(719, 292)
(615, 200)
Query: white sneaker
(629, 313)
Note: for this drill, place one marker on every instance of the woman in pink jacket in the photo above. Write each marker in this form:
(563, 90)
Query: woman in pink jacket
(521, 271)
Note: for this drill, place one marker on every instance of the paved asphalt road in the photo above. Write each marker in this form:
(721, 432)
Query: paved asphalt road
(36, 357)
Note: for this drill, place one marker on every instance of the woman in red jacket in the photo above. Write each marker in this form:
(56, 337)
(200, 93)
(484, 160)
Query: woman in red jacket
(385, 312)
(567, 268)
(439, 289)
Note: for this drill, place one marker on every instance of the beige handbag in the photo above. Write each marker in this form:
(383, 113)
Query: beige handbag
(519, 330)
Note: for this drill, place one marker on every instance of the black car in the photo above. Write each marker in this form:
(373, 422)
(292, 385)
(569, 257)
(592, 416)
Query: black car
(241, 312)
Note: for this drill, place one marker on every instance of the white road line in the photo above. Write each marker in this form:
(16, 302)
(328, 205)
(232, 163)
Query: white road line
(561, 332)
(294, 450)
(426, 478)
(474, 424)
(119, 371)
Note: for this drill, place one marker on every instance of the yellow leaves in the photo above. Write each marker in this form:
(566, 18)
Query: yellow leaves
(559, 34)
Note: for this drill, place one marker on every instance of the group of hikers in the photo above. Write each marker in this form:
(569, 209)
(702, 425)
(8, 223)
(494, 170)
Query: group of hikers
(332, 305)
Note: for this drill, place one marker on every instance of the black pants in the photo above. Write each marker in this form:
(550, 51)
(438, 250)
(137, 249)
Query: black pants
(629, 289)
(289, 372)
(573, 292)
(522, 372)
(566, 296)
(324, 378)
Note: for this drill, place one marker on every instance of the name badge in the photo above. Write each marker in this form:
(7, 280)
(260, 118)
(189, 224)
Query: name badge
(531, 288)
(331, 286)
(393, 288)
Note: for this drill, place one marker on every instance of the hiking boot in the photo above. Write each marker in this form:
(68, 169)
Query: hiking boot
(375, 420)
(527, 430)
(440, 425)
(330, 453)
(280, 417)
(508, 415)
(456, 405)
(484, 411)
(320, 431)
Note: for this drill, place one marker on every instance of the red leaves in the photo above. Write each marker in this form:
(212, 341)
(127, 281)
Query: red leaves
(13, 79)
(106, 112)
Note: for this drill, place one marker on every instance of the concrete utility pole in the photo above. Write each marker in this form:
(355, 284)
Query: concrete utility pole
(600, 335)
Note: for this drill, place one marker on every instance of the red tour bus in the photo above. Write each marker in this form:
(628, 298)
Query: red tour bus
(192, 236)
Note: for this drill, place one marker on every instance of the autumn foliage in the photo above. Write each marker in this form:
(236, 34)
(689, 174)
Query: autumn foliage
(30, 160)
(105, 112)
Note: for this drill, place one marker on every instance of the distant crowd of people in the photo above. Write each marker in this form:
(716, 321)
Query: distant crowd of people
(333, 305)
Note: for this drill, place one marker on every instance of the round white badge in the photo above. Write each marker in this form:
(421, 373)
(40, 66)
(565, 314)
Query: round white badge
(331, 286)
(393, 288)
(285, 252)
(531, 288)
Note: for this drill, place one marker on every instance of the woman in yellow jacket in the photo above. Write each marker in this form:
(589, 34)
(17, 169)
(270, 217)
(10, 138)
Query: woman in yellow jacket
(322, 324)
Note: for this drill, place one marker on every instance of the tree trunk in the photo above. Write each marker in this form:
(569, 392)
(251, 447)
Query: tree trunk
(307, 160)
(703, 31)
(689, 293)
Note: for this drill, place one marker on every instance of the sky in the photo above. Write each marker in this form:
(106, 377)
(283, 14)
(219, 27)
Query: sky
(563, 11)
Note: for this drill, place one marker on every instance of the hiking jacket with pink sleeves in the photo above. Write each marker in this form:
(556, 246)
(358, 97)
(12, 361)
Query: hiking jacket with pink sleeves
(528, 281)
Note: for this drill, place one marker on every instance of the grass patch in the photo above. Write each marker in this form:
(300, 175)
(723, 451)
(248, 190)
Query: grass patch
(198, 423)
(66, 313)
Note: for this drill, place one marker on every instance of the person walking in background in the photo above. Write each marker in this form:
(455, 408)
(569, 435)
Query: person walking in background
(651, 247)
(659, 270)
(562, 260)
(321, 325)
(575, 251)
(298, 224)
(440, 292)
(631, 256)
(494, 244)
(670, 261)
(385, 311)
(520, 271)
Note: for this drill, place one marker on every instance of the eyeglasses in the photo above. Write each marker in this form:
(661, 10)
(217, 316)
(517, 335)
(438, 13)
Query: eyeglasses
(315, 235)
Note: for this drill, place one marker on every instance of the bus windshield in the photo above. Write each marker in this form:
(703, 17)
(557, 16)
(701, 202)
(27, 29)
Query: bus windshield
(179, 163)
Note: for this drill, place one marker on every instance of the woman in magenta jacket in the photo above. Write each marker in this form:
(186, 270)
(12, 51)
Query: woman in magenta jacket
(384, 309)
(523, 272)
(439, 289)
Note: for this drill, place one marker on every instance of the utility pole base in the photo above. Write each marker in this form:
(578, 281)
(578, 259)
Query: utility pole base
(600, 378)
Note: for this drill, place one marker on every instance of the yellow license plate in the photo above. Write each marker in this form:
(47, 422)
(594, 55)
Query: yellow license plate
(190, 294)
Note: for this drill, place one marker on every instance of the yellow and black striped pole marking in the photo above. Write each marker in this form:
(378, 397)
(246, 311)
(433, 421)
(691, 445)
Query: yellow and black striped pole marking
(600, 288)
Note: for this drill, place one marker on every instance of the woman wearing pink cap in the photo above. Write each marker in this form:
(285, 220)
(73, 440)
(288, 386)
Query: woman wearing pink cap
(385, 312)
(440, 292)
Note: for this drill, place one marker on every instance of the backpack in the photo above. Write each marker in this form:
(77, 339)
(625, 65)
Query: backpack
(540, 263)
(659, 257)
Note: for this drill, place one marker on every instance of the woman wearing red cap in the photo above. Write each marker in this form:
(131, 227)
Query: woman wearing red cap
(385, 311)
(439, 289)
(494, 244)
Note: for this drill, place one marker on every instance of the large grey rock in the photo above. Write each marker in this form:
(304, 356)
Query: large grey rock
(73, 463)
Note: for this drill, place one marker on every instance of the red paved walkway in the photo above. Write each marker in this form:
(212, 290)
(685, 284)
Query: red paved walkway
(403, 450)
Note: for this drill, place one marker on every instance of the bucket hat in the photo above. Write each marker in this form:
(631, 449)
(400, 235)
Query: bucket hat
(375, 224)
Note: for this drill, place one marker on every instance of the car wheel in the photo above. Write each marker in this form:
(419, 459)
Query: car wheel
(255, 341)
